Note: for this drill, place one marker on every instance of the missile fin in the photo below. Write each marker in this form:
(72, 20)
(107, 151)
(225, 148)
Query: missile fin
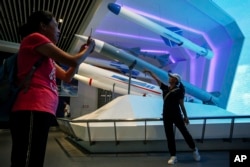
(169, 42)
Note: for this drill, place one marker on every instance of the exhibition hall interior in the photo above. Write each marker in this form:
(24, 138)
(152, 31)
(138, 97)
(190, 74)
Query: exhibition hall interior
(115, 106)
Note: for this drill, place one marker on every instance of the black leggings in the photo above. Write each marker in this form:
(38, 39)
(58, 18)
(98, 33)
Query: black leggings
(29, 131)
(169, 131)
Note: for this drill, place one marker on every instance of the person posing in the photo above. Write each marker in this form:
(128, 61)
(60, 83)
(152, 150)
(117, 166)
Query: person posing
(67, 110)
(35, 107)
(173, 96)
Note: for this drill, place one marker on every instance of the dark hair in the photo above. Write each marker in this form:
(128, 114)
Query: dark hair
(33, 22)
(181, 87)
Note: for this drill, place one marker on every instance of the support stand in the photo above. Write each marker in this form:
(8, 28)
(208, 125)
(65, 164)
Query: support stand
(130, 74)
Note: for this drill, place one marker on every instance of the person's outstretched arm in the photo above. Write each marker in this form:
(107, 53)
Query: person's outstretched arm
(153, 76)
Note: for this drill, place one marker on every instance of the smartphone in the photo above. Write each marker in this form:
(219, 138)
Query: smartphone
(89, 38)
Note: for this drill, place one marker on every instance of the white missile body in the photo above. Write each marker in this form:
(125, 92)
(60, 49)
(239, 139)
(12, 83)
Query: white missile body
(162, 31)
(104, 79)
(102, 85)
(128, 59)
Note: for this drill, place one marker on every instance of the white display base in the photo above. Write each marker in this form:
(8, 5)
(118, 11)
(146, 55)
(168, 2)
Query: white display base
(132, 107)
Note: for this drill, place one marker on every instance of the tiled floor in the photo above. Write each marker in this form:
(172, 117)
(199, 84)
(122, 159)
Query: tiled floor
(66, 155)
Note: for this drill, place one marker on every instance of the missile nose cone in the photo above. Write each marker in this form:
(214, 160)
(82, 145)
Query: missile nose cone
(114, 8)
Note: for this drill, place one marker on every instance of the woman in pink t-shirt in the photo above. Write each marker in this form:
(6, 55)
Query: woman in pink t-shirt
(35, 108)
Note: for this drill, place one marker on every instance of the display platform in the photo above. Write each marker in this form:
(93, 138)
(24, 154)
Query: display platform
(132, 118)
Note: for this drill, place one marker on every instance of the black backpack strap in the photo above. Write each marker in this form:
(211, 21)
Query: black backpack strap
(27, 79)
(165, 97)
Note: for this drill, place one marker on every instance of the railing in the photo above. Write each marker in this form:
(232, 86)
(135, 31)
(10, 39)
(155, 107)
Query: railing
(146, 120)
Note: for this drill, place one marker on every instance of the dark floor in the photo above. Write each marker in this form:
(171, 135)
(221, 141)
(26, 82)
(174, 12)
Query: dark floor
(61, 153)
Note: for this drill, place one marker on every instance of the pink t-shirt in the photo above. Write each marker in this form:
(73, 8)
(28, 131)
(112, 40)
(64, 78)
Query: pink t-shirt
(42, 94)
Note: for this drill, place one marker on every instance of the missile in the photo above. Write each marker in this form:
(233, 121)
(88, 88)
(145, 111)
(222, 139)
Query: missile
(116, 66)
(162, 31)
(115, 53)
(126, 58)
(107, 80)
(99, 84)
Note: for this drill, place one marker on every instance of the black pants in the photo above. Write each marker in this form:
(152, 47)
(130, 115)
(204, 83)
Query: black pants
(29, 131)
(168, 122)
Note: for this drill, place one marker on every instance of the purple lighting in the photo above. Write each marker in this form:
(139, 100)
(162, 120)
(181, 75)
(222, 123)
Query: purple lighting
(209, 74)
(213, 62)
(154, 51)
(135, 37)
(128, 36)
(172, 24)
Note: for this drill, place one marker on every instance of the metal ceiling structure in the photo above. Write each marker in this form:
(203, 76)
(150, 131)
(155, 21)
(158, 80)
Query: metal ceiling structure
(14, 13)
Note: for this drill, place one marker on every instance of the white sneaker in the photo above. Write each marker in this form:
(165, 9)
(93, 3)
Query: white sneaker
(196, 155)
(172, 160)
